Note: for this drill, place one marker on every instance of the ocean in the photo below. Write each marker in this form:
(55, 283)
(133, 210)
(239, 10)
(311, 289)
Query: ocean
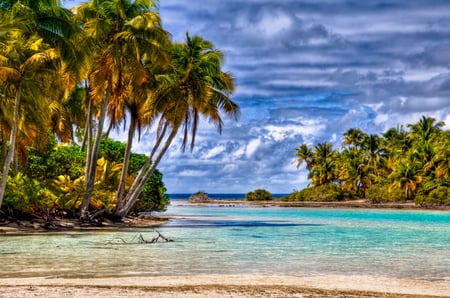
(217, 196)
(247, 240)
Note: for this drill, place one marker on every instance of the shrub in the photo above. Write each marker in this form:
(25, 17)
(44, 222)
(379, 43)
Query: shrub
(323, 193)
(379, 193)
(437, 197)
(258, 195)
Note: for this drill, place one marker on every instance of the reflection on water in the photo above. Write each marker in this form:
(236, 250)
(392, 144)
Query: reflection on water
(249, 240)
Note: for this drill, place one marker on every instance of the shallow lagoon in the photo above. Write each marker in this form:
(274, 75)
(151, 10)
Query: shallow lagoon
(247, 240)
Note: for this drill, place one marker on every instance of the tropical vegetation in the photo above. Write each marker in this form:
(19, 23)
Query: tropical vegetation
(258, 195)
(67, 77)
(409, 163)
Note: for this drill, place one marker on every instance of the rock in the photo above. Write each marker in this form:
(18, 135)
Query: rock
(199, 197)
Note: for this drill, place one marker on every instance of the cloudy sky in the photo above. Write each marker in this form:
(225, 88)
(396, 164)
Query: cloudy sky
(306, 71)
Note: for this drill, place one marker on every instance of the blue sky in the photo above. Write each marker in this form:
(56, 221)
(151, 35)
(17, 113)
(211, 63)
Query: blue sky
(306, 71)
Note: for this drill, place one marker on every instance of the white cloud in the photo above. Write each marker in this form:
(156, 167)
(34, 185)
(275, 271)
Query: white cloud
(214, 151)
(252, 146)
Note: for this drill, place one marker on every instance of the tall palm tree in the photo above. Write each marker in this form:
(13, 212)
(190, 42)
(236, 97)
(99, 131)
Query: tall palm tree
(125, 32)
(194, 86)
(25, 63)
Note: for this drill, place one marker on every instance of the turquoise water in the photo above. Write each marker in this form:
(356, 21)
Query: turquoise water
(248, 240)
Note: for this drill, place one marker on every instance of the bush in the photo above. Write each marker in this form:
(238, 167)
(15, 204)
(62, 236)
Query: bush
(382, 193)
(153, 196)
(323, 193)
(437, 197)
(258, 195)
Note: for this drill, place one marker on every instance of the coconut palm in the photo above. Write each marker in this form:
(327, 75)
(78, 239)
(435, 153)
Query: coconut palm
(323, 170)
(354, 136)
(125, 32)
(425, 128)
(194, 86)
(304, 154)
(26, 63)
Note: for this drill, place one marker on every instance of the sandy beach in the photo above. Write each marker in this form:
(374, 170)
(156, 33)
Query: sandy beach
(223, 286)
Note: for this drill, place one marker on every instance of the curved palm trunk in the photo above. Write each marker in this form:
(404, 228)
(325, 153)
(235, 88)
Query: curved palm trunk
(134, 193)
(93, 156)
(87, 137)
(12, 144)
(126, 162)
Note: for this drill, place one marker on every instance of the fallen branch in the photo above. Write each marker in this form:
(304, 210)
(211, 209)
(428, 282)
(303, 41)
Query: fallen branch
(141, 240)
(155, 239)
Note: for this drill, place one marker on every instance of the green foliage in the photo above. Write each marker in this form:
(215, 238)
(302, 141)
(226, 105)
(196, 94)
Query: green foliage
(323, 193)
(112, 150)
(153, 196)
(258, 195)
(437, 197)
(395, 166)
(199, 197)
(62, 160)
(53, 180)
(382, 193)
(70, 192)
(26, 196)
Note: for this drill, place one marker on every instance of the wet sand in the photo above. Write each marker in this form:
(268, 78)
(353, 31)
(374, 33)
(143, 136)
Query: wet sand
(224, 286)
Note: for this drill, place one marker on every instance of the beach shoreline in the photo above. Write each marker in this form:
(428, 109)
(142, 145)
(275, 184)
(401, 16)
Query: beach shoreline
(36, 226)
(362, 204)
(223, 285)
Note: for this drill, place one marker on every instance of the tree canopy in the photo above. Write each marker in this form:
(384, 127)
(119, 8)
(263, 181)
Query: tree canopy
(401, 164)
(66, 74)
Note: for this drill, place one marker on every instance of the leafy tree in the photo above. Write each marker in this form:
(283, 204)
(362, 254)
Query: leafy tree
(24, 64)
(258, 195)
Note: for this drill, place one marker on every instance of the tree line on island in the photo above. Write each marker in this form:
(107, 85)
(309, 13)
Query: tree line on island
(403, 164)
(409, 163)
(70, 77)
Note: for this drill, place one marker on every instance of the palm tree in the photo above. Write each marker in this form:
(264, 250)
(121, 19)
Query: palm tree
(126, 32)
(354, 136)
(405, 177)
(323, 170)
(425, 128)
(304, 154)
(25, 63)
(194, 86)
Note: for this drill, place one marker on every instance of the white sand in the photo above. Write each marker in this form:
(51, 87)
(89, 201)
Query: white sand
(224, 286)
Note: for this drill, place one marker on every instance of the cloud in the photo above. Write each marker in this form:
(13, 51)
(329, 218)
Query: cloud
(306, 71)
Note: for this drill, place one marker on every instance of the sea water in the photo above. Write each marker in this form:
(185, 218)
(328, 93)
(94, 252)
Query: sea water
(247, 240)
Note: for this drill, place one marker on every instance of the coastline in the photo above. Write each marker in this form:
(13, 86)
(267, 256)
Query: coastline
(313, 204)
(224, 285)
(24, 227)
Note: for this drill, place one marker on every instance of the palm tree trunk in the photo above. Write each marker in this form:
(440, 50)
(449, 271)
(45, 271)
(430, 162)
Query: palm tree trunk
(126, 162)
(148, 162)
(133, 194)
(88, 127)
(12, 143)
(91, 164)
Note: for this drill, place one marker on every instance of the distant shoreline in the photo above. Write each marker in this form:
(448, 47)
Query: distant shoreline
(312, 204)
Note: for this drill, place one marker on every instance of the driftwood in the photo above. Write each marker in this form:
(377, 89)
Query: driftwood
(141, 240)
